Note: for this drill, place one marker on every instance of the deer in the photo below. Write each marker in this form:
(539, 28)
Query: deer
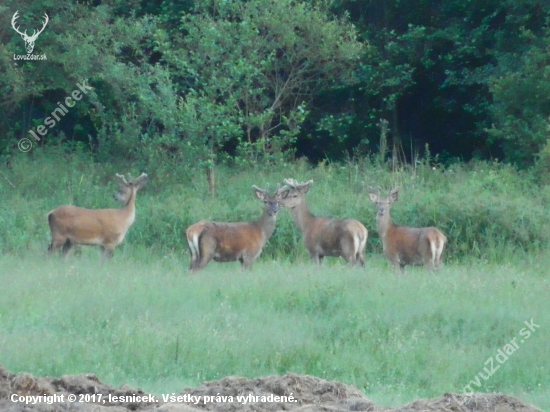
(29, 40)
(229, 242)
(324, 236)
(405, 245)
(106, 228)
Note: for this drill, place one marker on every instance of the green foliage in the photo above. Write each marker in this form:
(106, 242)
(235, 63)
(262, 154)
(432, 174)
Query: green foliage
(434, 71)
(272, 79)
(521, 106)
(261, 61)
(487, 210)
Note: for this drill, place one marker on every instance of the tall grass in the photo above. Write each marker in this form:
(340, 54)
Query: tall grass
(152, 324)
(487, 210)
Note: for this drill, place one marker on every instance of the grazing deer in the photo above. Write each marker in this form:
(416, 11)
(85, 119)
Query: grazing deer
(405, 245)
(105, 228)
(228, 242)
(324, 236)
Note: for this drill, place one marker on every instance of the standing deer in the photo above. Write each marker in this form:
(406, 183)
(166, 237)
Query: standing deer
(29, 40)
(105, 228)
(324, 236)
(405, 245)
(228, 242)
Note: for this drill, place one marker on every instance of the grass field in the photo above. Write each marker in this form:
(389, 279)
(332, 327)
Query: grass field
(145, 321)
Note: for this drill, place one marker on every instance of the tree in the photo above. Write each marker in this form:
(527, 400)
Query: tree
(521, 101)
(264, 58)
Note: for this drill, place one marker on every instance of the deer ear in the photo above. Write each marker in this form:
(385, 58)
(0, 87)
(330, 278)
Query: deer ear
(283, 194)
(373, 197)
(305, 187)
(260, 194)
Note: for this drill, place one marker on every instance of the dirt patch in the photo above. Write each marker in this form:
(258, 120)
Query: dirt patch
(290, 392)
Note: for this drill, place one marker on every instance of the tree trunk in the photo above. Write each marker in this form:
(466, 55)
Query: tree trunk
(211, 177)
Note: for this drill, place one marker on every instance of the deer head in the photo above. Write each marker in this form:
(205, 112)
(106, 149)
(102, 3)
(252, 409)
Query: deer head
(297, 192)
(125, 187)
(29, 40)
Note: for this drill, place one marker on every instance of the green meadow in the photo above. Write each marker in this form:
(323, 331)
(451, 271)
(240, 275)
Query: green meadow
(144, 320)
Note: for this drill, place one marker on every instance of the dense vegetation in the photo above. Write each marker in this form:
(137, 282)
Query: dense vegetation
(260, 80)
(488, 210)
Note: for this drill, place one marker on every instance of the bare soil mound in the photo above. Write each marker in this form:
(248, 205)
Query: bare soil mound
(291, 392)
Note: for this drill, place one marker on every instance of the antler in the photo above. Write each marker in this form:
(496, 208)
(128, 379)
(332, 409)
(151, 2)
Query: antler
(264, 191)
(46, 20)
(278, 191)
(281, 189)
(122, 179)
(24, 34)
(295, 185)
(15, 16)
(373, 190)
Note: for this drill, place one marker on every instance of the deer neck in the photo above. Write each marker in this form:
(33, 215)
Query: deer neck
(302, 216)
(384, 224)
(128, 211)
(266, 223)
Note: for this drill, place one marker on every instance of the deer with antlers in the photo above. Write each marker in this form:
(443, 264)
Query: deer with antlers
(405, 245)
(29, 40)
(229, 242)
(324, 236)
(106, 228)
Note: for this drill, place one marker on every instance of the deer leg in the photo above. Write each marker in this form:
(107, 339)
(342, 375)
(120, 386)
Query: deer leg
(246, 264)
(348, 251)
(202, 262)
(193, 254)
(351, 259)
(398, 266)
(361, 258)
(439, 257)
(204, 252)
(315, 257)
(247, 260)
(57, 243)
(193, 260)
(430, 260)
(430, 265)
(107, 252)
(67, 247)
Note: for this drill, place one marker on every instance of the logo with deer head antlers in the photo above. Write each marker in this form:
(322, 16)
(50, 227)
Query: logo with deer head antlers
(29, 40)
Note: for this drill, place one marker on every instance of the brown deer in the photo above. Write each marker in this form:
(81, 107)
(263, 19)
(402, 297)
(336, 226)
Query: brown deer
(228, 242)
(106, 228)
(405, 245)
(324, 236)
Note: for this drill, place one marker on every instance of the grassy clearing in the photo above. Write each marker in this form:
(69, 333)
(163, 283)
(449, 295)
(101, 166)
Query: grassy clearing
(153, 325)
(142, 319)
